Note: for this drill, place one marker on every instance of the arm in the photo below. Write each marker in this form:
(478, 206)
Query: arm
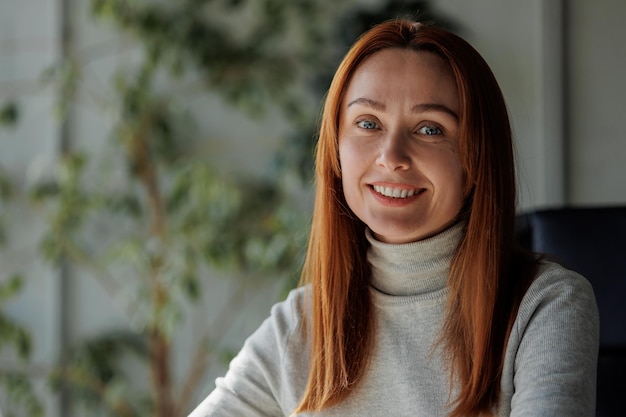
(256, 382)
(557, 333)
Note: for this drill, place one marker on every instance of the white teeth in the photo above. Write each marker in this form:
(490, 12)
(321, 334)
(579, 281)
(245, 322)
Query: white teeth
(394, 192)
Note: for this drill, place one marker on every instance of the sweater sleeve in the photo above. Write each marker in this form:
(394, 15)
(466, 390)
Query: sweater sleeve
(556, 337)
(255, 382)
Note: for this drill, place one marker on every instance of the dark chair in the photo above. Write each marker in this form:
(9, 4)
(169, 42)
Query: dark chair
(591, 241)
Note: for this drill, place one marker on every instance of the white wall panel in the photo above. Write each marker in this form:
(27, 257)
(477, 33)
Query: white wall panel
(597, 102)
(28, 45)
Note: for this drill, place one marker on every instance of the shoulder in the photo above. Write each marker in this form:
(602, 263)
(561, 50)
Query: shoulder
(553, 282)
(265, 378)
(283, 329)
(289, 314)
(551, 356)
(558, 297)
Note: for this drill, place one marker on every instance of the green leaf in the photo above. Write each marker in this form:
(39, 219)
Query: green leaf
(191, 286)
(45, 191)
(6, 187)
(9, 114)
(124, 204)
(11, 287)
(12, 333)
(21, 392)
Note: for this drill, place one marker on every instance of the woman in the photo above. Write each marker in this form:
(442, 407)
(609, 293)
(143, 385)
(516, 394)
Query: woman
(416, 300)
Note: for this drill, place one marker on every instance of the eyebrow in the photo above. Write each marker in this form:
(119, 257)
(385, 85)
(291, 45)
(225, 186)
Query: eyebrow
(418, 108)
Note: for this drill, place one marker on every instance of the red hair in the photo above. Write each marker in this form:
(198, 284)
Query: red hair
(485, 288)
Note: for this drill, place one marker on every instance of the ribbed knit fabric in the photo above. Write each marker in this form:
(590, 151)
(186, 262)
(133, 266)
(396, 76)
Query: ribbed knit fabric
(549, 367)
(416, 268)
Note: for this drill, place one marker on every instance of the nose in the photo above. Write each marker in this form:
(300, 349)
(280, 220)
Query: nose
(393, 152)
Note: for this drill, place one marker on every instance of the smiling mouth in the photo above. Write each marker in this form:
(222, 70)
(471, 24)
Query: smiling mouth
(394, 192)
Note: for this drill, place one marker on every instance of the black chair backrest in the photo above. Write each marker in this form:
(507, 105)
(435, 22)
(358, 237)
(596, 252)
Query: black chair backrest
(591, 241)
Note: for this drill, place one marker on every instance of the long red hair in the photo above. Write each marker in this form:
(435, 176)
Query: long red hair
(487, 276)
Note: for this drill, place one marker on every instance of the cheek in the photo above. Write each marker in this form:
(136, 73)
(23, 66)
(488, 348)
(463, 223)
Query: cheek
(350, 175)
(450, 178)
(459, 189)
(347, 162)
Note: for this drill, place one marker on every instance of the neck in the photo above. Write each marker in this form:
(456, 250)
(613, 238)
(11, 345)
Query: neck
(413, 268)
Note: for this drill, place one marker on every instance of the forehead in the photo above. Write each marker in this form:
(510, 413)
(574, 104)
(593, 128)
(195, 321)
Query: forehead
(403, 55)
(404, 73)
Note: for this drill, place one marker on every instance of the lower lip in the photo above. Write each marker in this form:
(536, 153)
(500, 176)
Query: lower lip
(395, 202)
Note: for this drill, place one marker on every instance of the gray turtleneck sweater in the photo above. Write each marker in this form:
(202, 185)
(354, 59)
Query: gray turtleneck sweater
(550, 361)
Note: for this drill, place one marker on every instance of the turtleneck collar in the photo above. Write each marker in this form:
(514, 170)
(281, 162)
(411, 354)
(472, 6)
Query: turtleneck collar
(416, 268)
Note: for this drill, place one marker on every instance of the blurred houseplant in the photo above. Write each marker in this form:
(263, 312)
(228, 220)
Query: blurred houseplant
(172, 217)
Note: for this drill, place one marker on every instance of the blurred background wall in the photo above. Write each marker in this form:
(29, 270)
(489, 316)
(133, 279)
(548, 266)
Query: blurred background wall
(560, 65)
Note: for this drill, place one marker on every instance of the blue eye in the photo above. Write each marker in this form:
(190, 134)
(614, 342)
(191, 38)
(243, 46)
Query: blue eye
(430, 130)
(367, 124)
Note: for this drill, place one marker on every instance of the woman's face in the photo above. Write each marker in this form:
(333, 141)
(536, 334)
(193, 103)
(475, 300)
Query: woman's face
(398, 145)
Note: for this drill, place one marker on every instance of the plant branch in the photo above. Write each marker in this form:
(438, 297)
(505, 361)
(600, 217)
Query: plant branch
(160, 358)
(199, 365)
(200, 362)
(108, 282)
(106, 48)
(82, 379)
(140, 155)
